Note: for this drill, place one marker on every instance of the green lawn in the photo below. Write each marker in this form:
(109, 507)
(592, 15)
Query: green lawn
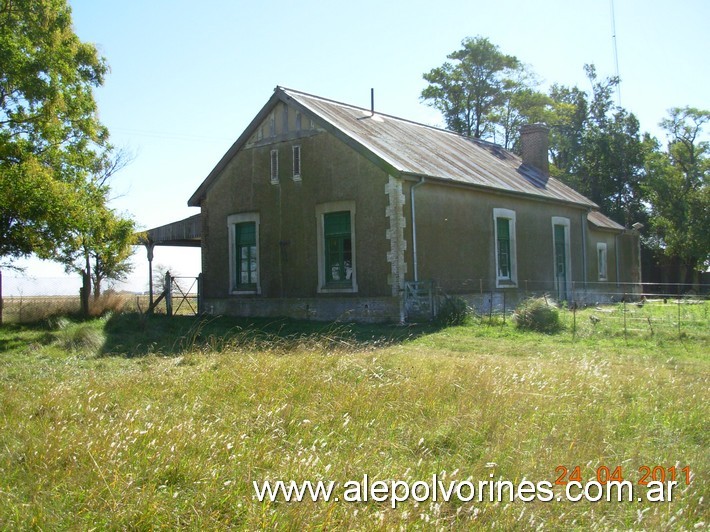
(128, 422)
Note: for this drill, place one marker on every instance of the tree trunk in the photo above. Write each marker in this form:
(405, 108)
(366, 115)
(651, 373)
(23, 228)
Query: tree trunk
(97, 287)
(85, 287)
(84, 293)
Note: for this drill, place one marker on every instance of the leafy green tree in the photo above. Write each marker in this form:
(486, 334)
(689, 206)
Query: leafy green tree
(521, 105)
(677, 189)
(50, 136)
(597, 148)
(113, 241)
(100, 248)
(470, 90)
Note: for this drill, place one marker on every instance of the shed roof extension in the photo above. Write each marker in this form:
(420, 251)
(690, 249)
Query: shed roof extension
(598, 220)
(409, 149)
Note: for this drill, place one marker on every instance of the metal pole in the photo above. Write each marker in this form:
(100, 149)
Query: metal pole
(168, 294)
(149, 246)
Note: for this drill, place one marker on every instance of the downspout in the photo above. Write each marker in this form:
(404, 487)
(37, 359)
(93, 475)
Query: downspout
(616, 256)
(414, 228)
(584, 249)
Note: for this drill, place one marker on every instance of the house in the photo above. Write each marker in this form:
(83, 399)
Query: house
(325, 210)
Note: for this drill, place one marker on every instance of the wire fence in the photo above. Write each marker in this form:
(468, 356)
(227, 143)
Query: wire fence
(601, 309)
(30, 300)
(597, 309)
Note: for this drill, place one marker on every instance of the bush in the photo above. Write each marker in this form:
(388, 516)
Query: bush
(453, 311)
(538, 314)
(81, 337)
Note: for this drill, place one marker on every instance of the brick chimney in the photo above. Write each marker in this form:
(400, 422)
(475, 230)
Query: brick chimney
(534, 144)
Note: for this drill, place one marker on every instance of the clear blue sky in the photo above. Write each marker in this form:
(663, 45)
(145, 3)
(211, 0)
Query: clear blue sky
(187, 77)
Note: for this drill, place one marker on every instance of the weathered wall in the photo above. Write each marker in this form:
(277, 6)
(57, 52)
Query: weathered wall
(455, 238)
(455, 232)
(330, 171)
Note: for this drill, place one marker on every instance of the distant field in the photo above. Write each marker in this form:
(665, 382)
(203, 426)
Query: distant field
(128, 422)
(30, 309)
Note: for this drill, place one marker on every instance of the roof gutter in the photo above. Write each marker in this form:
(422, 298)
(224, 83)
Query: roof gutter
(410, 176)
(422, 180)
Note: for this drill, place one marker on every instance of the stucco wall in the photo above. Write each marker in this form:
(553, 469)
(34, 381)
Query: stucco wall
(331, 171)
(455, 232)
(456, 243)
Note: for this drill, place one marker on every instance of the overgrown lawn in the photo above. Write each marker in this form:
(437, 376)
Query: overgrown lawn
(128, 422)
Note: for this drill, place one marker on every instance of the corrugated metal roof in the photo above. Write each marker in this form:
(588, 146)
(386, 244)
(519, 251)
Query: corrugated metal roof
(409, 148)
(603, 222)
(421, 150)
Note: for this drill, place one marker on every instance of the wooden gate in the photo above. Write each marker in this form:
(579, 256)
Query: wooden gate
(181, 295)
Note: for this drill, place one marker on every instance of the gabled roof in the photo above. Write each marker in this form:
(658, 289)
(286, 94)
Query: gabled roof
(409, 149)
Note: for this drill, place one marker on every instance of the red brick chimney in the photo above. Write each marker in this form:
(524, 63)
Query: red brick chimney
(534, 144)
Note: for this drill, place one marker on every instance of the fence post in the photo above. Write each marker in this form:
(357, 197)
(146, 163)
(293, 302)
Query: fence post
(574, 320)
(168, 294)
(503, 307)
(200, 304)
(0, 297)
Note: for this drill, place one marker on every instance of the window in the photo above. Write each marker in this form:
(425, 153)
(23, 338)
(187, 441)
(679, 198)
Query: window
(503, 239)
(298, 121)
(336, 247)
(285, 120)
(275, 167)
(244, 253)
(601, 260)
(296, 163)
(505, 252)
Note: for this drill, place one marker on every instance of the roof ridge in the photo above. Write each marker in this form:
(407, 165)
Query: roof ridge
(393, 117)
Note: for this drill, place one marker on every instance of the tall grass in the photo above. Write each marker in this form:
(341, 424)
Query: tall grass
(175, 437)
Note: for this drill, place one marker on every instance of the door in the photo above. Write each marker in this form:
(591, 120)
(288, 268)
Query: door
(560, 262)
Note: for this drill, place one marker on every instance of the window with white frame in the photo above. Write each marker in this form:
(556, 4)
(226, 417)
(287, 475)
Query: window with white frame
(244, 253)
(602, 261)
(336, 247)
(505, 248)
(296, 163)
(274, 167)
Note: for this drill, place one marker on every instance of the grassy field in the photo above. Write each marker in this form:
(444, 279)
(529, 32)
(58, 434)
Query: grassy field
(133, 423)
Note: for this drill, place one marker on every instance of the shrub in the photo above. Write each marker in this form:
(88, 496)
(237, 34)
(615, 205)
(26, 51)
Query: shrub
(82, 337)
(453, 311)
(538, 314)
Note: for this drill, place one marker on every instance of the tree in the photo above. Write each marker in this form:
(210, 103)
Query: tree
(100, 247)
(469, 91)
(521, 105)
(597, 148)
(678, 193)
(50, 136)
(111, 249)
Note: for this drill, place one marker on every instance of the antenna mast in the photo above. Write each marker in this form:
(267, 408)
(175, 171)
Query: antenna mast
(616, 54)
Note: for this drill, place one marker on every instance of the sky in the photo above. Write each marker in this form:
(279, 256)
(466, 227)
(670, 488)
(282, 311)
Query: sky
(186, 78)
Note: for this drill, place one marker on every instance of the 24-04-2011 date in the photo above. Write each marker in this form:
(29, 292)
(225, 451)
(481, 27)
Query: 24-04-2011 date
(606, 474)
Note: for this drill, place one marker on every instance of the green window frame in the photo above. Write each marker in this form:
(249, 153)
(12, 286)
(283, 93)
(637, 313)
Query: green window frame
(246, 260)
(338, 244)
